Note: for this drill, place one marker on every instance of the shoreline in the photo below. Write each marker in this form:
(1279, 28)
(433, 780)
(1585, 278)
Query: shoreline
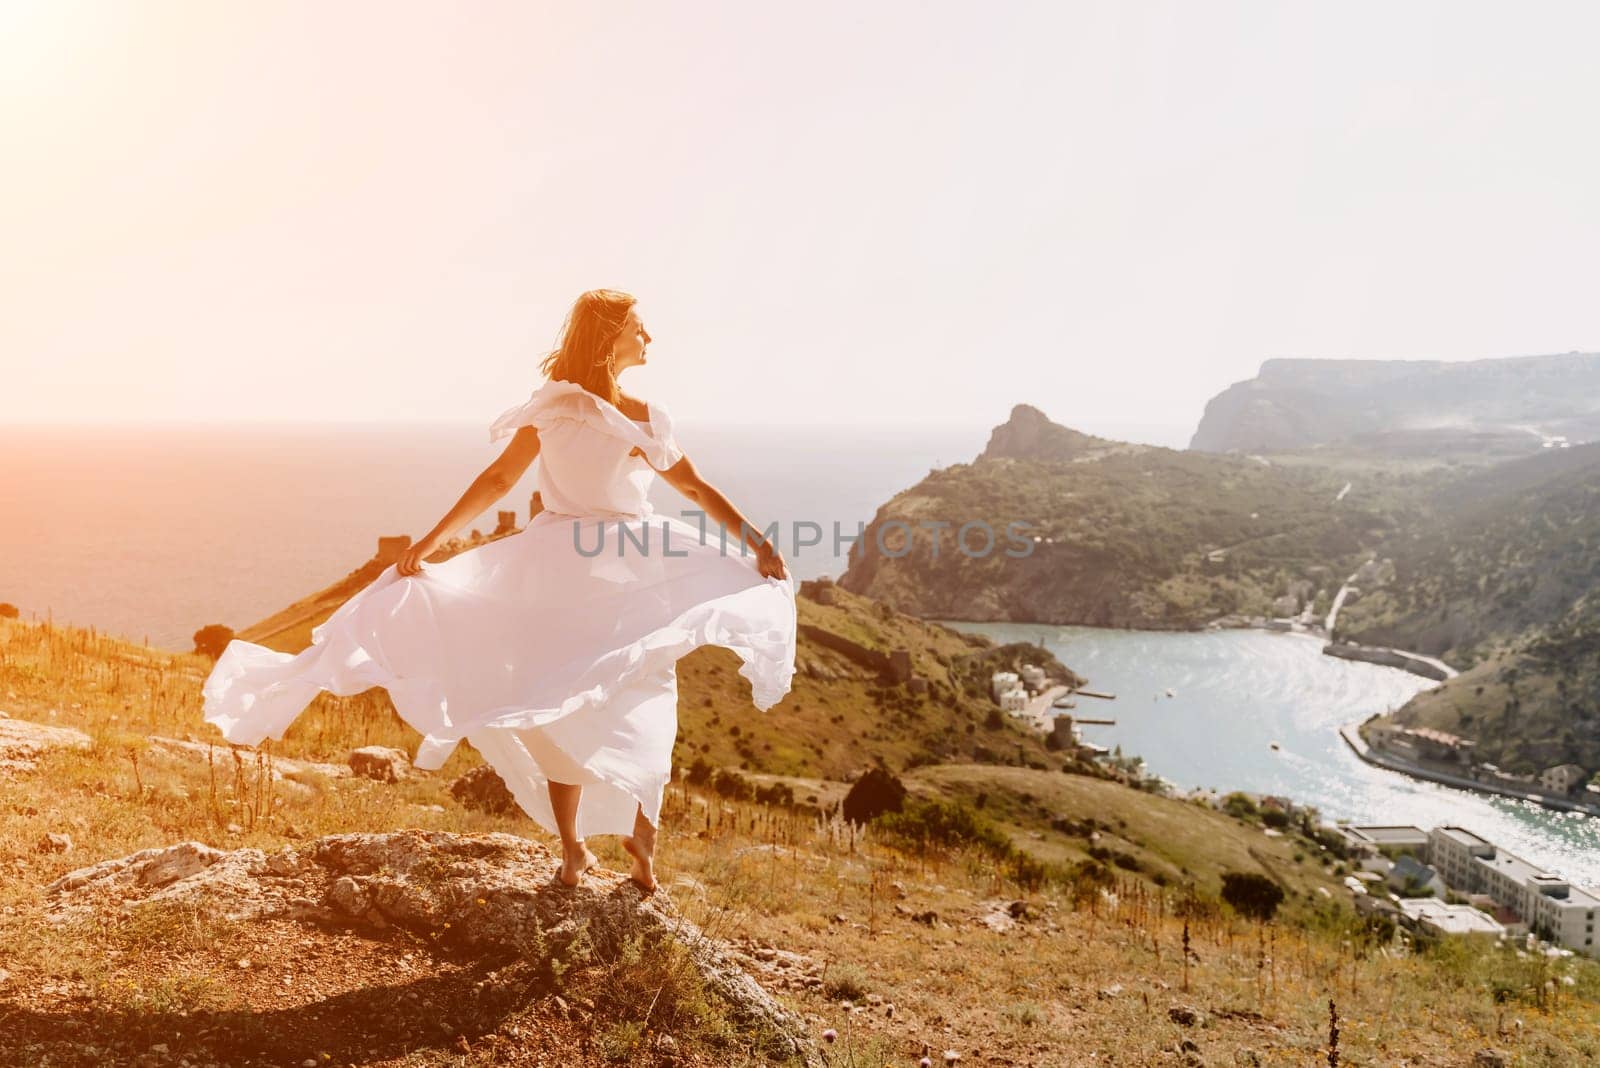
(1358, 745)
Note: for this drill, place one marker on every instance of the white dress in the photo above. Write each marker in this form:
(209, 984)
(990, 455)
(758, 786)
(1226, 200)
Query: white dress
(552, 651)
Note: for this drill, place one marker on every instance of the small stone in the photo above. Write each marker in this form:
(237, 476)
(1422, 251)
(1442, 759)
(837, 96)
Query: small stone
(244, 962)
(1106, 993)
(1184, 1015)
(54, 843)
(347, 896)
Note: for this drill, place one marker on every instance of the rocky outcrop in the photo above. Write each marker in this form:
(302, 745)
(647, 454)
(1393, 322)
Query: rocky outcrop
(22, 743)
(1028, 434)
(488, 894)
(484, 790)
(380, 762)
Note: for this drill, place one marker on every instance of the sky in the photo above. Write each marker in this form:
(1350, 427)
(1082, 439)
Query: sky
(885, 214)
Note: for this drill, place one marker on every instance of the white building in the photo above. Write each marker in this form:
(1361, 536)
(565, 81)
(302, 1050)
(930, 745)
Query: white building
(1033, 676)
(1014, 700)
(1547, 903)
(1389, 840)
(1431, 914)
(1563, 779)
(1001, 682)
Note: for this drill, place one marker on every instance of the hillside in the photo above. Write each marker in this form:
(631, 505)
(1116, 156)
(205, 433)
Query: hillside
(1294, 403)
(1054, 928)
(1497, 552)
(1129, 535)
(1499, 579)
(1531, 706)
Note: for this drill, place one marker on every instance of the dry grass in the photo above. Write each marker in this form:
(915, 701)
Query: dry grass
(1082, 977)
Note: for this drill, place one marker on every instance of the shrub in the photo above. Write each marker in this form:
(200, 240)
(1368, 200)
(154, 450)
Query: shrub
(700, 771)
(212, 640)
(1251, 894)
(945, 823)
(778, 793)
(1239, 806)
(733, 785)
(875, 793)
(845, 981)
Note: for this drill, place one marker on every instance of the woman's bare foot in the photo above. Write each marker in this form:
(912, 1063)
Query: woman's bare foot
(642, 847)
(574, 862)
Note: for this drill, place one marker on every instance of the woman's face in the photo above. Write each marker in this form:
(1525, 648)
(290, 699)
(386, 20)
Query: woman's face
(630, 344)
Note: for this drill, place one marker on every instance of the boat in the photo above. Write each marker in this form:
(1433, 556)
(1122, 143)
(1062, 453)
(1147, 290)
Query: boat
(1274, 746)
(1170, 692)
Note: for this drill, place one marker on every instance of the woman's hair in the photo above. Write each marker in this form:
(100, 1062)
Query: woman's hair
(584, 355)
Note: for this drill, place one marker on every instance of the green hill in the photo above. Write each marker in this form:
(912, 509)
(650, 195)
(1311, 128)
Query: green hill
(1498, 552)
(1129, 535)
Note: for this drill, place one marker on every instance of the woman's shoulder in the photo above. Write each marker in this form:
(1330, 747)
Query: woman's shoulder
(633, 407)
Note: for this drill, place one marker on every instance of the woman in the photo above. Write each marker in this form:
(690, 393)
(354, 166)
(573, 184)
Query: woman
(553, 651)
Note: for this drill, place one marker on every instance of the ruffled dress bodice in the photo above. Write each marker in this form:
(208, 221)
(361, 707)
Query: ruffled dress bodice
(586, 465)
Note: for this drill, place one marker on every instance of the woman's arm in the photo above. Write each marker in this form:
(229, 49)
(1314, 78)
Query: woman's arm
(683, 477)
(494, 482)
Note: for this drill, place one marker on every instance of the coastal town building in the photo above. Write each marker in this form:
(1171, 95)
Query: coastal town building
(1008, 691)
(1390, 841)
(1408, 875)
(1563, 778)
(1438, 917)
(1549, 905)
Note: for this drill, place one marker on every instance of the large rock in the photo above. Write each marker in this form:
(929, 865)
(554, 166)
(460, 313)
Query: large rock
(380, 762)
(225, 754)
(488, 894)
(483, 789)
(21, 742)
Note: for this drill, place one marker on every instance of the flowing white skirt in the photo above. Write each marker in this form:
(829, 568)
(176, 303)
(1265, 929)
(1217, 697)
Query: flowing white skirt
(552, 651)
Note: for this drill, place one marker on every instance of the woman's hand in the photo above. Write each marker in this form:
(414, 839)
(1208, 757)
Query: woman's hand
(770, 562)
(410, 562)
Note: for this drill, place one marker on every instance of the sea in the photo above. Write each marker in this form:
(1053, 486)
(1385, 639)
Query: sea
(152, 532)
